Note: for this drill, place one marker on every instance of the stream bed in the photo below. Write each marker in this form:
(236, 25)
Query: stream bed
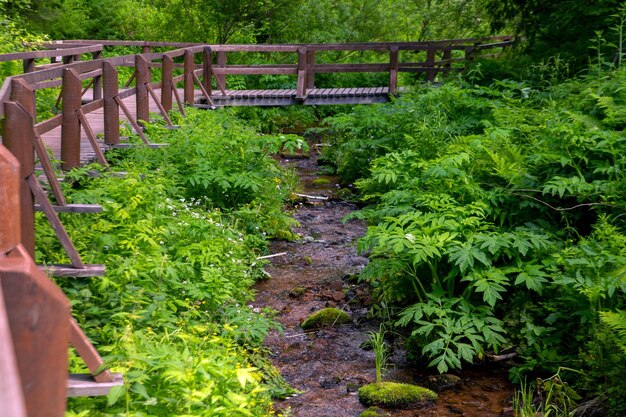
(329, 365)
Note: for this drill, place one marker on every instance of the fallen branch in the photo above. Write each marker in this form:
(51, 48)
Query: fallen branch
(313, 197)
(274, 255)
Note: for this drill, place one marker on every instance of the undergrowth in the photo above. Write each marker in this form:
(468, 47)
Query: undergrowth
(180, 233)
(497, 221)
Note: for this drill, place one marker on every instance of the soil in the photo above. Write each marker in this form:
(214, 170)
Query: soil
(328, 365)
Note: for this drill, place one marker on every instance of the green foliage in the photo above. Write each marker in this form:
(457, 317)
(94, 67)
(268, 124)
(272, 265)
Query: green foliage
(174, 311)
(381, 355)
(496, 219)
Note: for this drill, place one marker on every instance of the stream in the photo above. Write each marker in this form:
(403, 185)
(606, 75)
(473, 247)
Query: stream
(329, 365)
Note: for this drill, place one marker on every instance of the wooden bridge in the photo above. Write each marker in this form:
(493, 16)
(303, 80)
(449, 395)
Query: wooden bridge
(36, 326)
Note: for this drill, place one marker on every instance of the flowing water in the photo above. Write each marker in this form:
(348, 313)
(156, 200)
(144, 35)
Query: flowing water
(327, 366)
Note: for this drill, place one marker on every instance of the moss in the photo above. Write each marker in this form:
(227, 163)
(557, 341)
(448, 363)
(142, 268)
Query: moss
(374, 412)
(320, 181)
(394, 394)
(326, 317)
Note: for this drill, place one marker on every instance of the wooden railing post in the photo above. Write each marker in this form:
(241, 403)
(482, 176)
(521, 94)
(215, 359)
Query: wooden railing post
(29, 65)
(146, 49)
(143, 77)
(189, 68)
(70, 129)
(167, 73)
(19, 139)
(310, 68)
(97, 80)
(430, 63)
(111, 108)
(11, 395)
(302, 59)
(38, 316)
(207, 64)
(393, 69)
(221, 63)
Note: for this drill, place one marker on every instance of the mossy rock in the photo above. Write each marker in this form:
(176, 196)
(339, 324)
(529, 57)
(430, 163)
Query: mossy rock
(394, 394)
(374, 412)
(326, 317)
(320, 181)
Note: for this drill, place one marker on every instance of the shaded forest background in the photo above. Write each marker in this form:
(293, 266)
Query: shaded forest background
(567, 27)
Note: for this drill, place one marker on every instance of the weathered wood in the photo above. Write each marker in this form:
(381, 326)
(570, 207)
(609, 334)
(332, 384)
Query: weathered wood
(83, 385)
(10, 232)
(206, 94)
(167, 73)
(256, 70)
(38, 315)
(164, 114)
(55, 222)
(393, 69)
(111, 108)
(310, 68)
(74, 208)
(302, 59)
(91, 136)
(131, 120)
(70, 128)
(18, 139)
(207, 69)
(11, 396)
(221, 63)
(97, 81)
(430, 63)
(88, 353)
(29, 65)
(188, 87)
(45, 162)
(179, 101)
(141, 99)
(49, 53)
(68, 271)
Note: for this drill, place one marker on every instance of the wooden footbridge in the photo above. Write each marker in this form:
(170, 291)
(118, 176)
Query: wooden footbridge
(36, 326)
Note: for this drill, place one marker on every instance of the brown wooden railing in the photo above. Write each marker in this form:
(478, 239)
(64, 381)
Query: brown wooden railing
(90, 85)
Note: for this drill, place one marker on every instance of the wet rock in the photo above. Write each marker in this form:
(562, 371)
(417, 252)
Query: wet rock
(326, 317)
(297, 292)
(395, 395)
(443, 382)
(328, 383)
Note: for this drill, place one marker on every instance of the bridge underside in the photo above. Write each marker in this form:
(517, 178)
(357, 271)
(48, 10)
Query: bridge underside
(285, 97)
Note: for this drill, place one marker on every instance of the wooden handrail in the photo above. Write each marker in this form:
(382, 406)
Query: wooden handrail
(48, 53)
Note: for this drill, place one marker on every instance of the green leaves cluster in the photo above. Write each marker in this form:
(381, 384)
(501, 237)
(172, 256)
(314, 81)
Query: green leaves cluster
(174, 311)
(496, 216)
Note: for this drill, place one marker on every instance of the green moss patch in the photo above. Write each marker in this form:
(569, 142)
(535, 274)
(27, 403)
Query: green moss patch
(326, 317)
(374, 412)
(394, 394)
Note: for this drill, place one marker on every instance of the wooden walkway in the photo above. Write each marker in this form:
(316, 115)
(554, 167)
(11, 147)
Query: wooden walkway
(283, 97)
(52, 139)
